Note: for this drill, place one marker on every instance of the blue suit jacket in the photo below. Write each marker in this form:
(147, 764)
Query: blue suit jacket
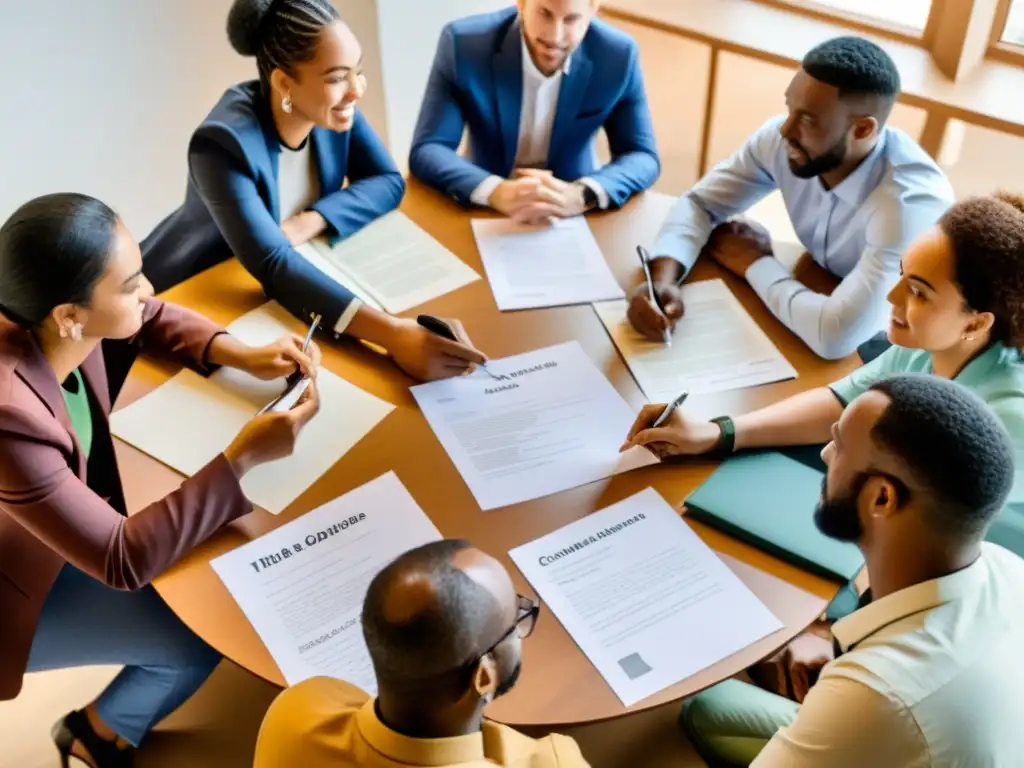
(477, 80)
(231, 205)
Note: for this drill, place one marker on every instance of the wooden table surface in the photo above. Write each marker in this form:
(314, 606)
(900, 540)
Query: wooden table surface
(558, 685)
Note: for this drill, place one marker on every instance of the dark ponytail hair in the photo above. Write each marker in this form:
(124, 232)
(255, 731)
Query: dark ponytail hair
(53, 251)
(279, 33)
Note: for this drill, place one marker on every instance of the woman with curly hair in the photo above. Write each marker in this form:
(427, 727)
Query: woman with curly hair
(957, 312)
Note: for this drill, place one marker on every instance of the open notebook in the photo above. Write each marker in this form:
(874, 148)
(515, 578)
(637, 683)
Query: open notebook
(391, 264)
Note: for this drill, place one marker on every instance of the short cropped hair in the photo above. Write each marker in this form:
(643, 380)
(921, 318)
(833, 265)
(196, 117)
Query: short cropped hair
(952, 445)
(445, 636)
(857, 67)
(987, 235)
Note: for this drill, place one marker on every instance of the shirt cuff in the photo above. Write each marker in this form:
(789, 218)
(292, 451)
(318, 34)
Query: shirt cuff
(602, 196)
(482, 194)
(765, 273)
(346, 317)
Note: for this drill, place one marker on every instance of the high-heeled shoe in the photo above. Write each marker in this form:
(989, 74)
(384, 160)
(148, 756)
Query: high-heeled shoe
(102, 753)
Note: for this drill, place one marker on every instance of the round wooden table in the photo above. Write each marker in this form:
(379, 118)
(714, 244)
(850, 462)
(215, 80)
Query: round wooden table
(558, 686)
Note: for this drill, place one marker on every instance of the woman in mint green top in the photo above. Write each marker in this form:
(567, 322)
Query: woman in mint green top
(957, 312)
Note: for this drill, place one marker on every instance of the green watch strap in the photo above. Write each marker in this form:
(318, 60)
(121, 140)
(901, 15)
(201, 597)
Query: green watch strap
(727, 442)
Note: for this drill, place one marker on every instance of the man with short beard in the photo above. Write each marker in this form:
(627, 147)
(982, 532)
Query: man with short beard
(444, 627)
(857, 192)
(926, 672)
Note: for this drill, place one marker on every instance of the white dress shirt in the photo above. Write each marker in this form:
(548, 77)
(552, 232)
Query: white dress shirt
(857, 230)
(298, 187)
(930, 676)
(536, 119)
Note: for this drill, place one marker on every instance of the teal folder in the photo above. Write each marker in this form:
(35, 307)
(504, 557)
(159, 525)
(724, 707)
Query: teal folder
(767, 499)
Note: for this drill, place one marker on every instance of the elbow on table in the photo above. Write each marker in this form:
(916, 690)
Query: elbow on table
(834, 346)
(395, 191)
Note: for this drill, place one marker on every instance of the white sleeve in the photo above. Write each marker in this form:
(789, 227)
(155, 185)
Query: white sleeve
(728, 189)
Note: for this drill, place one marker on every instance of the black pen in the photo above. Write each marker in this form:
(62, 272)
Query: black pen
(442, 329)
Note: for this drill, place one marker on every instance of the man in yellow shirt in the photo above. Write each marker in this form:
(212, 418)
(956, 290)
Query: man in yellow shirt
(444, 627)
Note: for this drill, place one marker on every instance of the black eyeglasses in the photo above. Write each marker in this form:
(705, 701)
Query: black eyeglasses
(527, 611)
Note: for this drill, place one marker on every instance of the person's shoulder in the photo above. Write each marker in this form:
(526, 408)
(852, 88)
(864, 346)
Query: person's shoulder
(235, 117)
(603, 40)
(482, 23)
(306, 720)
(553, 751)
(897, 359)
(913, 177)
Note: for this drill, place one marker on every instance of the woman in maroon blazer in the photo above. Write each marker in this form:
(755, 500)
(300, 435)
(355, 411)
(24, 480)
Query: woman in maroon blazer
(74, 570)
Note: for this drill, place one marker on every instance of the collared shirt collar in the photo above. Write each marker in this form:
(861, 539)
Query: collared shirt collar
(855, 188)
(406, 750)
(530, 67)
(882, 612)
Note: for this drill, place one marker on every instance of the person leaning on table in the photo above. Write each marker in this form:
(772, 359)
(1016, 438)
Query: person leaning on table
(957, 312)
(857, 192)
(444, 627)
(287, 158)
(533, 85)
(926, 671)
(74, 570)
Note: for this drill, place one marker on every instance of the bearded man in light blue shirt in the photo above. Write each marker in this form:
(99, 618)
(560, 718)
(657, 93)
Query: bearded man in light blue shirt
(857, 193)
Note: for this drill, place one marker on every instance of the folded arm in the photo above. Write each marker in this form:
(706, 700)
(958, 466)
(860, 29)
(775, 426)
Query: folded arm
(375, 185)
(434, 158)
(635, 165)
(730, 188)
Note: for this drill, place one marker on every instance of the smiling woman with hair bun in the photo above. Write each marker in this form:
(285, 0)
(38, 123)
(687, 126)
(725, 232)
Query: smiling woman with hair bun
(287, 158)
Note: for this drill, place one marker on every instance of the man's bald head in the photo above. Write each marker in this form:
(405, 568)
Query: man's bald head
(435, 610)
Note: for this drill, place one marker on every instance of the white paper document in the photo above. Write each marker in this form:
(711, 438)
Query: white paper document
(187, 421)
(643, 597)
(715, 347)
(302, 585)
(391, 264)
(544, 266)
(543, 422)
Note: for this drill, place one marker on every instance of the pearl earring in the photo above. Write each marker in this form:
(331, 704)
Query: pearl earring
(76, 331)
(286, 105)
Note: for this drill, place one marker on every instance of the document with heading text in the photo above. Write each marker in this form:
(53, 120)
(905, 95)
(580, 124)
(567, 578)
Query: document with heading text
(544, 266)
(643, 597)
(715, 347)
(302, 585)
(540, 423)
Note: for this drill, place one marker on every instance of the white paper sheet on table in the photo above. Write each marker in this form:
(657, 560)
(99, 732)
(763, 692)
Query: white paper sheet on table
(643, 597)
(716, 346)
(391, 264)
(187, 421)
(302, 585)
(543, 266)
(550, 421)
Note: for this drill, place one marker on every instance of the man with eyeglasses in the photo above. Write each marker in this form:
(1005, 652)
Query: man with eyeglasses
(444, 627)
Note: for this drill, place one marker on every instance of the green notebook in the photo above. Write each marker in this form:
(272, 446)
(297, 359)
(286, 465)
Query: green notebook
(767, 499)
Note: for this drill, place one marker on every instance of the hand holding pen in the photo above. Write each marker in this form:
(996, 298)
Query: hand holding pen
(656, 305)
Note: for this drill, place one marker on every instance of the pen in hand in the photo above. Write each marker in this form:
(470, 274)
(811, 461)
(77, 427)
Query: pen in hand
(669, 410)
(645, 259)
(442, 329)
(297, 376)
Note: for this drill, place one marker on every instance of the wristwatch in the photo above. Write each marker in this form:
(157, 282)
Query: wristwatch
(589, 196)
(727, 441)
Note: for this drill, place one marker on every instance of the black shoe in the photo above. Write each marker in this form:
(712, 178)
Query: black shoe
(102, 753)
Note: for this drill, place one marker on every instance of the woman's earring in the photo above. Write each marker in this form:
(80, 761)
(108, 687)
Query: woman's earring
(968, 338)
(286, 105)
(76, 331)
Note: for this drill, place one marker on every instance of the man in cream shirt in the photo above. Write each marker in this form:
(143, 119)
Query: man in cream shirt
(444, 626)
(927, 671)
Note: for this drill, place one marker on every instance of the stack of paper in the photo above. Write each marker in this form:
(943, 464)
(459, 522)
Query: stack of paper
(643, 597)
(302, 586)
(537, 424)
(716, 346)
(190, 419)
(391, 264)
(543, 266)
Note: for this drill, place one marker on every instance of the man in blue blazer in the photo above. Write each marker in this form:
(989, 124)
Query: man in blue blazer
(534, 84)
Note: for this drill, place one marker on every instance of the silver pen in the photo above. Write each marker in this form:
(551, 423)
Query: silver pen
(296, 379)
(669, 410)
(645, 259)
